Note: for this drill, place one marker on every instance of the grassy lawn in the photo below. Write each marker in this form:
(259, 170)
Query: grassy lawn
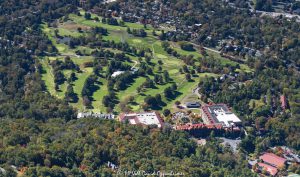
(225, 61)
(78, 85)
(47, 77)
(257, 103)
(98, 96)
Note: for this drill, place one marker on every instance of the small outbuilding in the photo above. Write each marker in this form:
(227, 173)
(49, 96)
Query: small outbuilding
(193, 105)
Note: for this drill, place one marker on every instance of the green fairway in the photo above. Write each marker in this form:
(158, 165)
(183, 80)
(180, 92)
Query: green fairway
(78, 85)
(98, 96)
(48, 77)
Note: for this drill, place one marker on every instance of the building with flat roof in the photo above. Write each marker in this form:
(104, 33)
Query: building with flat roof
(95, 115)
(219, 114)
(145, 118)
(193, 105)
(117, 73)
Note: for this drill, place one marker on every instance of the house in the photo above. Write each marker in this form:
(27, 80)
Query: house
(117, 73)
(83, 3)
(268, 168)
(252, 163)
(201, 142)
(193, 105)
(145, 118)
(273, 160)
(290, 155)
(283, 102)
(219, 114)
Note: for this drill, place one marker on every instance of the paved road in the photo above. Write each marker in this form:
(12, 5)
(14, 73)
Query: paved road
(196, 91)
(212, 50)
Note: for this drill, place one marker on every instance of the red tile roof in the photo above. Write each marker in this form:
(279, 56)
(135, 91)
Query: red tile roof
(273, 159)
(197, 126)
(271, 170)
(283, 102)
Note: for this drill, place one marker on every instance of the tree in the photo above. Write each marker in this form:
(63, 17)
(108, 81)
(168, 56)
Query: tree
(87, 16)
(162, 36)
(106, 101)
(154, 32)
(129, 30)
(151, 101)
(87, 102)
(185, 69)
(248, 144)
(59, 77)
(166, 76)
(165, 45)
(158, 98)
(160, 62)
(156, 78)
(70, 95)
(139, 89)
(148, 83)
(159, 68)
(186, 46)
(174, 86)
(168, 92)
(188, 76)
(166, 112)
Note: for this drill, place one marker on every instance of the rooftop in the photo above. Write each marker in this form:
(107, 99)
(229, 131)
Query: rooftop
(220, 113)
(97, 115)
(273, 159)
(197, 126)
(283, 102)
(117, 73)
(193, 104)
(271, 170)
(146, 118)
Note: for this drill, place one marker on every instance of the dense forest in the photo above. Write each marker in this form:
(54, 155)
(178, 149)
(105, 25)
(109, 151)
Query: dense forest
(84, 148)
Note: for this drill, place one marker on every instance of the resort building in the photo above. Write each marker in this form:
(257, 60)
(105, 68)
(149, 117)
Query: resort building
(219, 114)
(146, 118)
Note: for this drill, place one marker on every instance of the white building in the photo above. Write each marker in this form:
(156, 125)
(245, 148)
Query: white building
(96, 115)
(146, 118)
(219, 114)
(117, 73)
